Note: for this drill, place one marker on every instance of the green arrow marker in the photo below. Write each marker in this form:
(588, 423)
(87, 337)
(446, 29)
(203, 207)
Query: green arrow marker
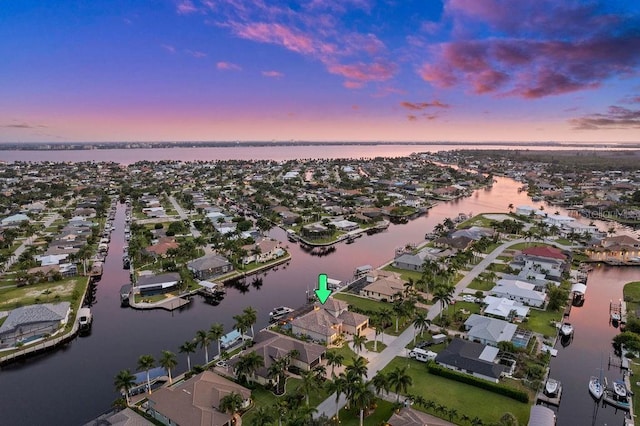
(322, 292)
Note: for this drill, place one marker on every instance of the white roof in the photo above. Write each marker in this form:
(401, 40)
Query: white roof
(579, 288)
(518, 288)
(501, 307)
(489, 353)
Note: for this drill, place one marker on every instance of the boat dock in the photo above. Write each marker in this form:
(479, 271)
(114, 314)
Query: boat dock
(541, 398)
(621, 362)
(618, 312)
(168, 304)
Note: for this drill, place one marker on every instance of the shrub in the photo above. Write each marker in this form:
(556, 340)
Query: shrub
(515, 394)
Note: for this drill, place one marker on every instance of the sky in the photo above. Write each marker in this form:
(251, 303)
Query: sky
(319, 70)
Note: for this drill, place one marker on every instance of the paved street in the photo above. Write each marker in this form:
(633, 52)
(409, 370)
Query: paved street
(27, 242)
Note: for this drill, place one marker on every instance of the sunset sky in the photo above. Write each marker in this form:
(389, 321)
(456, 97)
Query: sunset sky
(338, 70)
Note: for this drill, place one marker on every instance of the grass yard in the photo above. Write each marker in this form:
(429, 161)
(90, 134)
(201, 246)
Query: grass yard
(47, 292)
(478, 284)
(404, 274)
(362, 302)
(347, 354)
(631, 294)
(466, 399)
(540, 322)
(382, 413)
(369, 345)
(498, 267)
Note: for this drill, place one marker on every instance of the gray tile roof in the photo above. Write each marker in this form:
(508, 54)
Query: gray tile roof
(35, 313)
(465, 355)
(489, 329)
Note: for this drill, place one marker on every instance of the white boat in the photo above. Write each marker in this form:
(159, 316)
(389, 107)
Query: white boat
(279, 312)
(615, 316)
(595, 387)
(552, 387)
(566, 329)
(84, 318)
(620, 389)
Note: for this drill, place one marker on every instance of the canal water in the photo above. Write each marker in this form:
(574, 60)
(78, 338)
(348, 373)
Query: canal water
(75, 383)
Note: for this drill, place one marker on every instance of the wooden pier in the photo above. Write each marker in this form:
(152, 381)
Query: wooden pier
(618, 312)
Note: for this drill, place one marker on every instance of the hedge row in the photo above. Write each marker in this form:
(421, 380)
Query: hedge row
(516, 394)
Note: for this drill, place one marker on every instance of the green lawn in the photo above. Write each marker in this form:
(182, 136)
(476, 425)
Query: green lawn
(382, 413)
(483, 285)
(631, 294)
(540, 322)
(404, 274)
(498, 267)
(369, 345)
(362, 302)
(347, 354)
(46, 292)
(466, 399)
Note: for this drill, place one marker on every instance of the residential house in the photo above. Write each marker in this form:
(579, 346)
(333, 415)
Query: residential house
(31, 322)
(272, 346)
(262, 251)
(209, 266)
(383, 285)
(14, 219)
(504, 308)
(520, 291)
(472, 358)
(546, 260)
(196, 401)
(162, 246)
(489, 331)
(326, 322)
(156, 284)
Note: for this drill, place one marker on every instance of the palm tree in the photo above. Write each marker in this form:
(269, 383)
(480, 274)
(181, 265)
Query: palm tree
(277, 371)
(146, 363)
(124, 381)
(203, 339)
(399, 380)
(231, 403)
(452, 414)
(398, 310)
(339, 386)
(380, 382)
(358, 368)
(361, 398)
(248, 364)
(215, 333)
(334, 359)
(168, 362)
(251, 316)
(358, 342)
(420, 322)
(309, 384)
(188, 347)
(241, 325)
(263, 416)
(443, 294)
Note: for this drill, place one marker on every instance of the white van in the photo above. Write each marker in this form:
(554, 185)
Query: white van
(422, 355)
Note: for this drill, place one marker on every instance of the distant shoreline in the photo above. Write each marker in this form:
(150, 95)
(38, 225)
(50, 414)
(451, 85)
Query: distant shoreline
(84, 146)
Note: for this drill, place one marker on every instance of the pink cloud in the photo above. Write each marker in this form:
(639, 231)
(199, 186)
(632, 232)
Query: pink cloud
(228, 66)
(423, 105)
(185, 7)
(353, 84)
(272, 74)
(275, 34)
(616, 117)
(363, 73)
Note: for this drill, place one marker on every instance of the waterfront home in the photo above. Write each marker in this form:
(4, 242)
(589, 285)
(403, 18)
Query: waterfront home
(209, 266)
(520, 291)
(504, 308)
(413, 262)
(383, 285)
(545, 260)
(326, 322)
(458, 244)
(472, 358)
(475, 233)
(345, 225)
(272, 346)
(196, 401)
(32, 322)
(149, 285)
(489, 331)
(262, 251)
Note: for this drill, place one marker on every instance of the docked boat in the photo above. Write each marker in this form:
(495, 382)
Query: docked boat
(291, 235)
(596, 389)
(125, 294)
(566, 329)
(84, 318)
(615, 317)
(279, 313)
(552, 388)
(618, 395)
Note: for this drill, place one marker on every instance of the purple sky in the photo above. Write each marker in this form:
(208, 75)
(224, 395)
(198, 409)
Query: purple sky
(457, 70)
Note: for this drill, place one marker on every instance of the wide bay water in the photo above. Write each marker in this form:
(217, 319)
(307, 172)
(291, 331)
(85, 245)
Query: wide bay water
(75, 383)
